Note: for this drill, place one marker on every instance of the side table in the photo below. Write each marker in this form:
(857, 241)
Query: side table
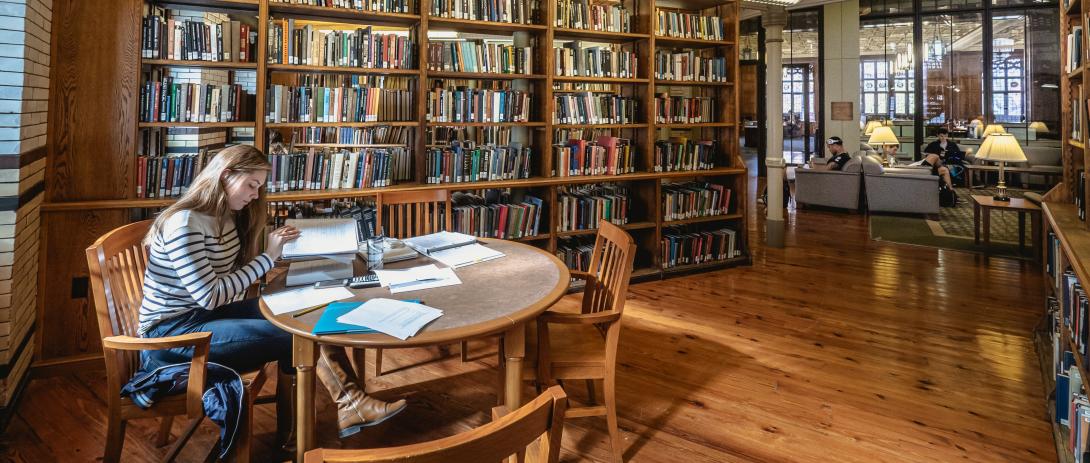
(983, 205)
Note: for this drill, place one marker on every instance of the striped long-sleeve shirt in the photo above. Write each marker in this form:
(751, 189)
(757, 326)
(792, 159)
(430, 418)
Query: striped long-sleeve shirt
(191, 266)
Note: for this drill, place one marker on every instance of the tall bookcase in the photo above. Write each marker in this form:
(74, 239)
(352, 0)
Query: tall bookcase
(1067, 236)
(646, 221)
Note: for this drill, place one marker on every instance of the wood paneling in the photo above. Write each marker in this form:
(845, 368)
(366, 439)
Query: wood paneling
(66, 324)
(93, 97)
(748, 107)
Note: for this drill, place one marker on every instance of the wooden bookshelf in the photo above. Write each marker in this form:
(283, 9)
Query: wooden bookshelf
(645, 185)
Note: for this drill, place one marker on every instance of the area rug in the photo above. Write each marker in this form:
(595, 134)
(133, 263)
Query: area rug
(954, 228)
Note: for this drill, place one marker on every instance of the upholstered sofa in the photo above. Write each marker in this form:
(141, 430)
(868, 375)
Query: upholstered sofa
(830, 188)
(899, 189)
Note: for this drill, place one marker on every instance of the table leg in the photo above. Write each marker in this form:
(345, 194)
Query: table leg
(976, 223)
(969, 178)
(987, 226)
(1021, 231)
(1038, 231)
(304, 358)
(514, 347)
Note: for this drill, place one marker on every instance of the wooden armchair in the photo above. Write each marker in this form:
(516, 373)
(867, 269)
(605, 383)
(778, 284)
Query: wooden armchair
(584, 345)
(531, 433)
(117, 262)
(405, 214)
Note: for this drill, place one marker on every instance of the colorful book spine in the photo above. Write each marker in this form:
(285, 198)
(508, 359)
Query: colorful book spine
(593, 15)
(462, 163)
(591, 108)
(505, 11)
(681, 246)
(694, 199)
(311, 45)
(479, 57)
(461, 104)
(581, 207)
(378, 6)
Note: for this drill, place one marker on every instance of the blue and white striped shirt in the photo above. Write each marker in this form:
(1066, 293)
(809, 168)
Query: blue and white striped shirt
(191, 266)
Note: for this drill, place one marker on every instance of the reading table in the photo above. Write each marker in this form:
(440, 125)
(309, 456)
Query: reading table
(496, 297)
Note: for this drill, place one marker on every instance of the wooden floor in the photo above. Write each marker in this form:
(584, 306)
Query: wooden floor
(836, 348)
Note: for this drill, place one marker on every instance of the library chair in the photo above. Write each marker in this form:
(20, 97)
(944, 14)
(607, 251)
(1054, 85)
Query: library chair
(583, 346)
(531, 433)
(405, 214)
(117, 261)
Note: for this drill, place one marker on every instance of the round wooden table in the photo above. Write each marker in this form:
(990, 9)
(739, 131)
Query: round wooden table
(496, 297)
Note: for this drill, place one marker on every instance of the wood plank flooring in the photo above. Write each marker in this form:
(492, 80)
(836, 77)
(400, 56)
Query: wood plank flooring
(835, 348)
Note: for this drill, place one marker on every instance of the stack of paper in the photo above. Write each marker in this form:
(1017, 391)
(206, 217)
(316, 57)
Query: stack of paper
(302, 298)
(322, 237)
(465, 255)
(417, 278)
(399, 319)
(309, 271)
(434, 242)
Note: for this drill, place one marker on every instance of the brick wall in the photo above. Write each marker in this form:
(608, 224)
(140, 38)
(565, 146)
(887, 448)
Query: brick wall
(24, 93)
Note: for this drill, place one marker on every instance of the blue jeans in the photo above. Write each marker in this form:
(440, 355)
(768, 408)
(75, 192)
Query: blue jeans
(241, 338)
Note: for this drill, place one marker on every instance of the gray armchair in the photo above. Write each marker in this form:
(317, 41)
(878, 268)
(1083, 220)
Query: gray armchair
(900, 189)
(831, 188)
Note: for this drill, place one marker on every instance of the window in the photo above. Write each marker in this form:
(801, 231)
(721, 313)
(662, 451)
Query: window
(886, 94)
(953, 86)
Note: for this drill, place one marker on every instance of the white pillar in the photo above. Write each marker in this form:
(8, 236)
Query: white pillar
(773, 21)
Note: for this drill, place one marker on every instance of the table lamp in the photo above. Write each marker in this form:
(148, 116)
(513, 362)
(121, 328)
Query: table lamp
(1001, 148)
(871, 125)
(883, 136)
(1036, 128)
(993, 129)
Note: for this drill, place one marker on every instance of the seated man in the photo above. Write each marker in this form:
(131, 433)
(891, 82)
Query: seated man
(947, 150)
(839, 156)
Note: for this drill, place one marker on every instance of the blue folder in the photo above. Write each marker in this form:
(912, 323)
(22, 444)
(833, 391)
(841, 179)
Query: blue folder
(328, 324)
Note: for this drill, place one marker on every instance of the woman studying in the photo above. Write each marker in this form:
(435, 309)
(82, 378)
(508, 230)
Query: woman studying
(203, 257)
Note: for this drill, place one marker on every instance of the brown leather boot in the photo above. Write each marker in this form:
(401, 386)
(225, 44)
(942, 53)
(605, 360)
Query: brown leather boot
(355, 409)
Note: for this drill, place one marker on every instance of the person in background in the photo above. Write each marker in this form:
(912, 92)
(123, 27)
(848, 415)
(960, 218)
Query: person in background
(838, 156)
(204, 256)
(943, 146)
(938, 168)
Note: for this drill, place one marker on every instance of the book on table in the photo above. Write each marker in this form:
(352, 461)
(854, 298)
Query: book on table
(322, 237)
(435, 242)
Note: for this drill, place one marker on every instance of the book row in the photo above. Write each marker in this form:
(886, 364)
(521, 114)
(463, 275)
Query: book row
(479, 56)
(480, 136)
(682, 154)
(689, 66)
(285, 103)
(582, 206)
(1075, 51)
(379, 6)
(573, 59)
(165, 37)
(320, 170)
(506, 11)
(1075, 311)
(604, 156)
(502, 217)
(461, 104)
(684, 25)
(590, 108)
(316, 45)
(362, 210)
(168, 101)
(1071, 404)
(575, 252)
(460, 163)
(166, 176)
(688, 200)
(679, 247)
(593, 15)
(685, 110)
(378, 135)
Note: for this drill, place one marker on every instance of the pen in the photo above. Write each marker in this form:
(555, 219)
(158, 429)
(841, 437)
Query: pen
(307, 310)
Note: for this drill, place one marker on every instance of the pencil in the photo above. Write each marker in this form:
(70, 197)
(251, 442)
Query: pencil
(307, 310)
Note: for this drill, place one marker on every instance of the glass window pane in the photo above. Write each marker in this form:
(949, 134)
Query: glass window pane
(953, 69)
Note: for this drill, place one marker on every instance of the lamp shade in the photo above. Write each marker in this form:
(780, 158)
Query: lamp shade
(871, 125)
(1038, 126)
(883, 136)
(993, 129)
(1001, 147)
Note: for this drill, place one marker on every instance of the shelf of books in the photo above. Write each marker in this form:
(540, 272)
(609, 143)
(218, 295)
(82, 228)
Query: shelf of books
(539, 117)
(1074, 102)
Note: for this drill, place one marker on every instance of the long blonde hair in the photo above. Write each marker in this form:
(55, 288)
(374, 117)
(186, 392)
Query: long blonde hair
(207, 195)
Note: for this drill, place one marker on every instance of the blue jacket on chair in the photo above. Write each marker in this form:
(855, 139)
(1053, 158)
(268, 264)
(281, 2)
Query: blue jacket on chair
(222, 394)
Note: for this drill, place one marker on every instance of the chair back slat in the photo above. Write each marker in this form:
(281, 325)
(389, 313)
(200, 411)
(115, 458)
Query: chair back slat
(533, 429)
(406, 214)
(611, 264)
(117, 262)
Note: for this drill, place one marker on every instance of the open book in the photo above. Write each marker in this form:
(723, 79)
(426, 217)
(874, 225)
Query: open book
(322, 237)
(434, 242)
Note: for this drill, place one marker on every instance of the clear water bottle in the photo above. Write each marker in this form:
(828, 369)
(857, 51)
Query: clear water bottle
(376, 247)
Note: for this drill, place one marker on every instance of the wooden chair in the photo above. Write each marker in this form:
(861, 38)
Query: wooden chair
(117, 262)
(405, 214)
(531, 433)
(574, 349)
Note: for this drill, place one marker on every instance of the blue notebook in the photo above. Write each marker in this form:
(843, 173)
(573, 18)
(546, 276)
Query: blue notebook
(328, 324)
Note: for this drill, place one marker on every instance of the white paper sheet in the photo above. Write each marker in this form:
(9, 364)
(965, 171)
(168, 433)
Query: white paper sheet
(444, 277)
(321, 237)
(399, 319)
(310, 271)
(466, 255)
(406, 275)
(297, 299)
(438, 241)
